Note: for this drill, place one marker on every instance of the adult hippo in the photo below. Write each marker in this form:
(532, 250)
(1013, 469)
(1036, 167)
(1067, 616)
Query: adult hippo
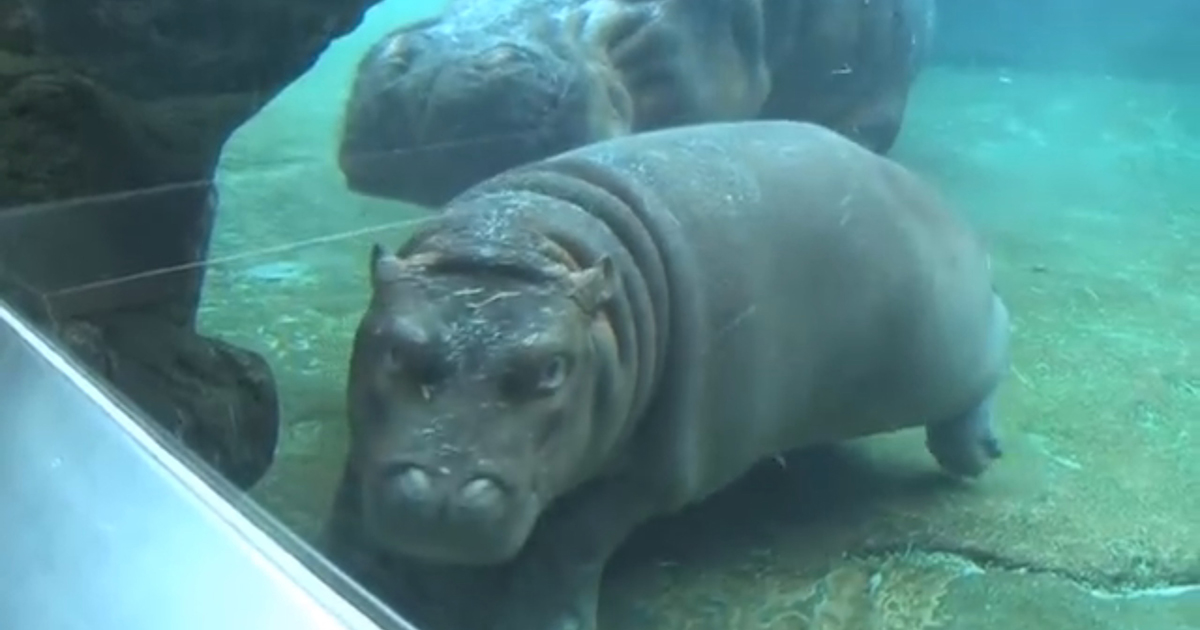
(606, 336)
(442, 104)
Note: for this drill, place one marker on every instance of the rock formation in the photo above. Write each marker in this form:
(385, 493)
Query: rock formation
(112, 117)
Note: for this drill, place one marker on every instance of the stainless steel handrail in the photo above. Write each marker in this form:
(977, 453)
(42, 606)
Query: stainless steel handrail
(106, 523)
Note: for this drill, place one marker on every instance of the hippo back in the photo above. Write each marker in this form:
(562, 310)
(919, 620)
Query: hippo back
(815, 291)
(443, 104)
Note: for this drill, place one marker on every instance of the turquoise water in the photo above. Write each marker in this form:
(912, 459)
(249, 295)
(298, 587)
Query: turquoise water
(1083, 187)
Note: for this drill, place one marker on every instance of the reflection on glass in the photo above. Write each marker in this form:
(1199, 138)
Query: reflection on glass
(192, 196)
(104, 511)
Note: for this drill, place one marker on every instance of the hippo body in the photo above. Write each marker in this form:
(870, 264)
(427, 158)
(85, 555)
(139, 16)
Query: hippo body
(442, 104)
(584, 343)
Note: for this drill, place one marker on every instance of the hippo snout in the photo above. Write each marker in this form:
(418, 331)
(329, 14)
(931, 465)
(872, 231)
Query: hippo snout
(439, 497)
(458, 516)
(432, 112)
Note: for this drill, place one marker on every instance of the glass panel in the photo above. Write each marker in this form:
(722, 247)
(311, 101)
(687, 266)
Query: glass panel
(100, 513)
(743, 373)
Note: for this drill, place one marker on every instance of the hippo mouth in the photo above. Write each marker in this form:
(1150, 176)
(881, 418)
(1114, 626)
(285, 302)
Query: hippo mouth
(448, 123)
(475, 521)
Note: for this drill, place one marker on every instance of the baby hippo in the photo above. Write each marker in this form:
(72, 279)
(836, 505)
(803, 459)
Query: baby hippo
(582, 344)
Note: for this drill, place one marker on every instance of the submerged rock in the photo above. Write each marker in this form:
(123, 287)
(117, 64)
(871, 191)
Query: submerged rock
(112, 117)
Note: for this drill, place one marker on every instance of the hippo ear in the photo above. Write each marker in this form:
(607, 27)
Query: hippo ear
(386, 267)
(593, 287)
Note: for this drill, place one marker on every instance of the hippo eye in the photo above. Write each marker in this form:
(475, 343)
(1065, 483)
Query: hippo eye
(552, 373)
(536, 376)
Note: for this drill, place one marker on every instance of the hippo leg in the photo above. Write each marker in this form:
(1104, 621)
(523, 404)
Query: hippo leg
(966, 444)
(430, 596)
(877, 124)
(555, 583)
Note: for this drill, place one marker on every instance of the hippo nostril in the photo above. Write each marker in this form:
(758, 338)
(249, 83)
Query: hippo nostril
(482, 494)
(411, 483)
(499, 57)
(398, 53)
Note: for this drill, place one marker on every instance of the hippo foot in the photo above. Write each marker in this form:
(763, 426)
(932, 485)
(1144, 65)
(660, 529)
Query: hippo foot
(551, 596)
(877, 126)
(431, 596)
(554, 584)
(967, 444)
(219, 400)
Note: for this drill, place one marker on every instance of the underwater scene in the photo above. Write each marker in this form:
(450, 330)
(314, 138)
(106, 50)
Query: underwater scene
(646, 314)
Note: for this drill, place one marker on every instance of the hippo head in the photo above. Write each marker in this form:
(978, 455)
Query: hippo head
(437, 107)
(443, 104)
(476, 395)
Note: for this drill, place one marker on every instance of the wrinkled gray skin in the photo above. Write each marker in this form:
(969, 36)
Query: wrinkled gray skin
(609, 335)
(443, 104)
